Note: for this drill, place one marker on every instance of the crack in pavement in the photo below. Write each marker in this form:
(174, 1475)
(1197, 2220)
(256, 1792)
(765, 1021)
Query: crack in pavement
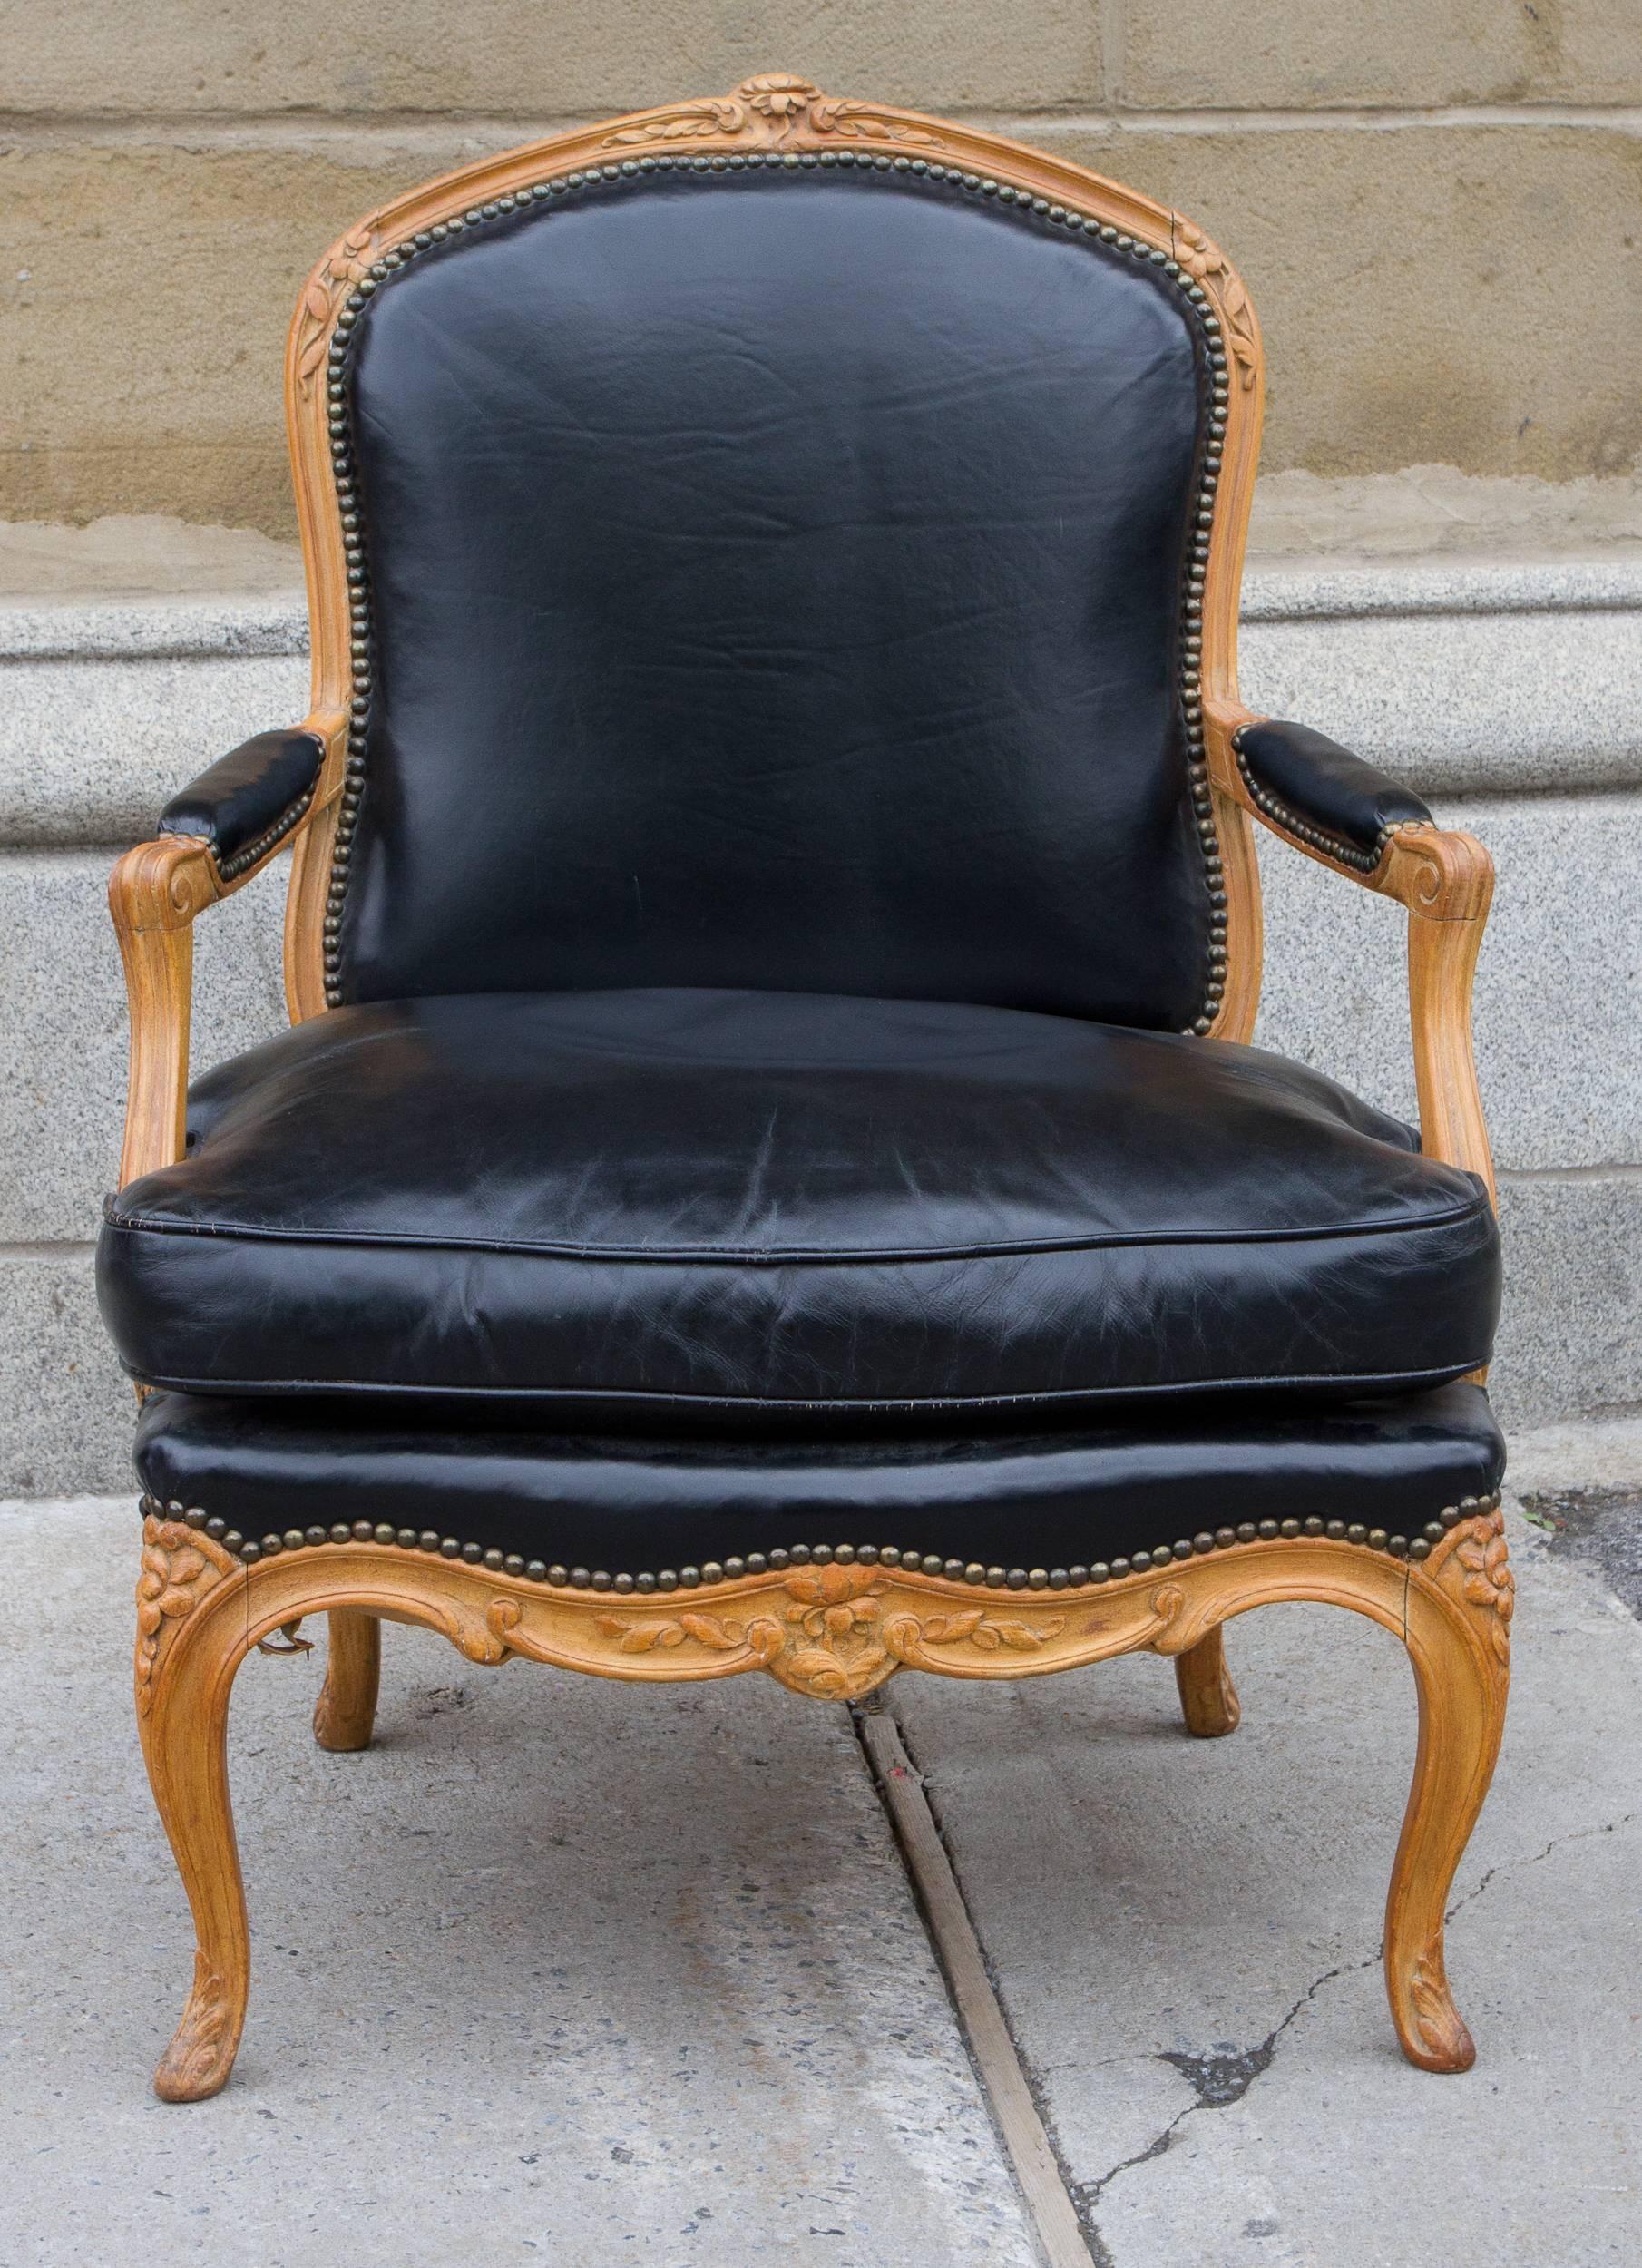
(1218, 2080)
(1516, 1866)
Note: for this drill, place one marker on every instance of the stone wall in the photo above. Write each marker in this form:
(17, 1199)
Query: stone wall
(1438, 208)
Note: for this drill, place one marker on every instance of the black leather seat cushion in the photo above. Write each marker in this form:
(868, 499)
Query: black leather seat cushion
(788, 1203)
(1054, 1497)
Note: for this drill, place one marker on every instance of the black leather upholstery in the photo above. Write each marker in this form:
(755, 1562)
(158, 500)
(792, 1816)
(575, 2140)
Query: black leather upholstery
(774, 579)
(1058, 1497)
(1308, 776)
(250, 794)
(769, 1201)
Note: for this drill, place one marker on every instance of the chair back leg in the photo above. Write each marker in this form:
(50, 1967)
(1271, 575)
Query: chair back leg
(1209, 1699)
(345, 1712)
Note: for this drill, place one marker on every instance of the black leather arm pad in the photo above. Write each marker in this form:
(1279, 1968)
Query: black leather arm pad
(1321, 793)
(249, 798)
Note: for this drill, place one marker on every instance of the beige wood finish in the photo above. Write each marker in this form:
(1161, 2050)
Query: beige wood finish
(831, 1633)
(835, 1632)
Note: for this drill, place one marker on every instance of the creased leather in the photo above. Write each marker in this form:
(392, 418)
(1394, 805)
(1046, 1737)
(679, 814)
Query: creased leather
(1327, 784)
(246, 793)
(760, 1201)
(1059, 1496)
(776, 582)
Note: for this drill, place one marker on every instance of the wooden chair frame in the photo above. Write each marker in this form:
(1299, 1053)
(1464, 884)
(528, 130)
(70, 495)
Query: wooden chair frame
(836, 1628)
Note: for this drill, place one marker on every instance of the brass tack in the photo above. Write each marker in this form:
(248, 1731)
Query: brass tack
(1288, 1527)
(1377, 1538)
(536, 1571)
(1224, 1537)
(1356, 1533)
(996, 1578)
(1268, 1528)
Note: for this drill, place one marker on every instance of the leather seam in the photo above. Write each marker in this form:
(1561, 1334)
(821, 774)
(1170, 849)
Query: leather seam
(1364, 1380)
(797, 1256)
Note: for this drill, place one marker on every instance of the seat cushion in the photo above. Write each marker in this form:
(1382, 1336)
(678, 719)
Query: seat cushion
(784, 1203)
(1058, 1496)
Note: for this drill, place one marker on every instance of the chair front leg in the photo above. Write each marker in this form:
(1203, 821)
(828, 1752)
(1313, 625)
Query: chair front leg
(190, 1641)
(1459, 1611)
(345, 1711)
(1209, 1699)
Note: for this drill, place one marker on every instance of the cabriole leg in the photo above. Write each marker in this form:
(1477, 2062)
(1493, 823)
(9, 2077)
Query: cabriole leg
(1458, 1640)
(190, 1643)
(345, 1711)
(1209, 1699)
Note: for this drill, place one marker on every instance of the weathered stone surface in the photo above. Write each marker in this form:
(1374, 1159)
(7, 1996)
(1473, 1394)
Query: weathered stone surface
(1555, 986)
(69, 1408)
(508, 59)
(1416, 287)
(63, 1024)
(1230, 54)
(152, 384)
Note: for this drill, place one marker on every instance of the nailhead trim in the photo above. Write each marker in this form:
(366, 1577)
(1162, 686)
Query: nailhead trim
(1304, 830)
(913, 171)
(712, 1571)
(252, 852)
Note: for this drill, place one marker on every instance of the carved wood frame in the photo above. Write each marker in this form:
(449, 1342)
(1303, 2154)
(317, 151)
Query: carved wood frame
(831, 1633)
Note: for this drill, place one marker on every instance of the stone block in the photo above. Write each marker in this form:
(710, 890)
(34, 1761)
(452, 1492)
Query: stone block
(1455, 701)
(63, 1027)
(1269, 54)
(92, 751)
(70, 1410)
(147, 289)
(1416, 287)
(1560, 971)
(506, 59)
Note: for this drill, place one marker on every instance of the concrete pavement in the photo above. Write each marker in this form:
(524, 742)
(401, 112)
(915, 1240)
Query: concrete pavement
(564, 1971)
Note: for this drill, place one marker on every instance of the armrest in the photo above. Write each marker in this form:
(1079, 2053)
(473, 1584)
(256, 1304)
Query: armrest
(1322, 793)
(211, 839)
(250, 800)
(1356, 821)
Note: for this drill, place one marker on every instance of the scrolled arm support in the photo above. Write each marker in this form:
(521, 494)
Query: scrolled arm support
(1444, 878)
(213, 838)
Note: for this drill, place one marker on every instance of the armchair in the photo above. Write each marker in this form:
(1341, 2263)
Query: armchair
(768, 1171)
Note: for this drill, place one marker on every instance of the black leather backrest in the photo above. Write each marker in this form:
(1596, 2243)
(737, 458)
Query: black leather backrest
(775, 579)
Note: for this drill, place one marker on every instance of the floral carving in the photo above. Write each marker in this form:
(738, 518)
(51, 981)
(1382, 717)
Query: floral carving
(201, 2053)
(832, 1636)
(347, 266)
(768, 109)
(178, 1568)
(1489, 1581)
(1436, 2020)
(1478, 1548)
(1206, 264)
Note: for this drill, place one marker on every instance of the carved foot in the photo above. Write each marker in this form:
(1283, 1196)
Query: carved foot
(1209, 1699)
(1431, 2027)
(201, 2054)
(345, 1712)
